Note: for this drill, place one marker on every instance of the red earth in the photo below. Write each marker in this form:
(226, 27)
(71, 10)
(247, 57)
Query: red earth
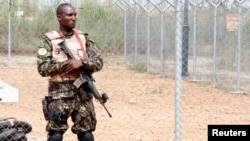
(142, 104)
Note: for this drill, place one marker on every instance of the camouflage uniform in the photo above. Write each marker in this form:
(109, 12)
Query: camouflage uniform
(66, 99)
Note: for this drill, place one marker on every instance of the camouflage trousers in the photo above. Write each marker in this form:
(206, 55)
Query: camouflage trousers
(80, 108)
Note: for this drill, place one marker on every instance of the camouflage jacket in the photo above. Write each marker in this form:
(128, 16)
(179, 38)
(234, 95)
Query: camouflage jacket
(47, 66)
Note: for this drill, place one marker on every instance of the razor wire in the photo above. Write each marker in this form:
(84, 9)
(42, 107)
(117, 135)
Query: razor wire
(12, 129)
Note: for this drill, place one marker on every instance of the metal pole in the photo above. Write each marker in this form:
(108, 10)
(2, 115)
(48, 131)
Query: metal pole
(185, 42)
(9, 30)
(215, 48)
(162, 45)
(123, 7)
(239, 48)
(148, 44)
(162, 49)
(125, 37)
(194, 43)
(178, 78)
(136, 39)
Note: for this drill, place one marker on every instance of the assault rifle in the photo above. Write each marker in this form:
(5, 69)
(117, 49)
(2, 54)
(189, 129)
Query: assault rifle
(88, 78)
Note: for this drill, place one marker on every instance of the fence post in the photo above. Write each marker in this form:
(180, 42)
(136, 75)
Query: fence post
(124, 7)
(178, 78)
(148, 7)
(185, 42)
(162, 49)
(239, 44)
(9, 30)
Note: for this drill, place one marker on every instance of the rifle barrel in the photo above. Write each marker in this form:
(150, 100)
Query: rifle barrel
(107, 110)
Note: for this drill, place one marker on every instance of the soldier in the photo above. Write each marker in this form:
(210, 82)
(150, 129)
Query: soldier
(68, 96)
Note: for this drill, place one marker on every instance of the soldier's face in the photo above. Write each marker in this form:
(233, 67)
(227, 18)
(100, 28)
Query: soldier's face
(67, 18)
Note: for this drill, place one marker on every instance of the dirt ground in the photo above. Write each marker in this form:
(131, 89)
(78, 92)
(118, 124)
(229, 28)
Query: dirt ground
(142, 105)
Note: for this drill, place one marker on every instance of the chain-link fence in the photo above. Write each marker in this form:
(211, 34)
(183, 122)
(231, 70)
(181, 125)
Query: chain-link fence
(24, 22)
(201, 40)
(215, 39)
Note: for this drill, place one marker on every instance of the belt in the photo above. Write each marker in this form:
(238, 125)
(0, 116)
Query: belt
(58, 78)
(51, 98)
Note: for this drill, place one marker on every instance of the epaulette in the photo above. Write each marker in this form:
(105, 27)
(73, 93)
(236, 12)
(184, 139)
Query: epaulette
(53, 35)
(86, 35)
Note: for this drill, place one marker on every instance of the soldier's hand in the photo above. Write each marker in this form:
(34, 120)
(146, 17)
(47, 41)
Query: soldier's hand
(72, 64)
